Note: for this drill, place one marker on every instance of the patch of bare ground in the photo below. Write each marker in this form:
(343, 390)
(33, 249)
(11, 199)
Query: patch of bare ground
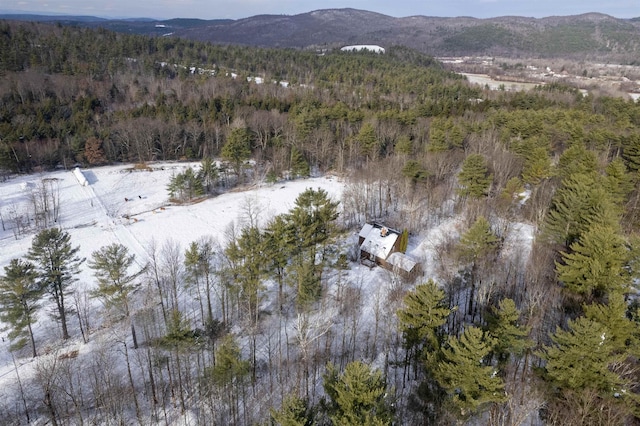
(600, 78)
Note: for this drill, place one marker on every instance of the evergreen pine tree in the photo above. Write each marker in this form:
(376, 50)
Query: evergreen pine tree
(247, 256)
(537, 166)
(503, 325)
(368, 140)
(57, 264)
(179, 335)
(618, 182)
(19, 301)
(278, 240)
(577, 160)
(474, 177)
(624, 334)
(470, 383)
(415, 171)
(445, 135)
(237, 149)
(228, 374)
(358, 396)
(186, 186)
(596, 264)
(423, 314)
(590, 370)
(581, 357)
(312, 228)
(208, 174)
(404, 241)
(478, 241)
(578, 204)
(631, 151)
(437, 136)
(299, 165)
(229, 366)
(511, 194)
(193, 187)
(111, 266)
(294, 412)
(403, 146)
(475, 245)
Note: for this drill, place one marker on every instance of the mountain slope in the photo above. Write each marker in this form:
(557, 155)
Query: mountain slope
(574, 36)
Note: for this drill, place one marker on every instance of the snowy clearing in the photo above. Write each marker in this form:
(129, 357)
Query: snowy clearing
(129, 205)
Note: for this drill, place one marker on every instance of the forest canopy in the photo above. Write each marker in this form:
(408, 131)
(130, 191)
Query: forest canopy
(416, 145)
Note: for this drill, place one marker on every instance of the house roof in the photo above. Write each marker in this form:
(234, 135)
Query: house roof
(374, 243)
(402, 261)
(365, 230)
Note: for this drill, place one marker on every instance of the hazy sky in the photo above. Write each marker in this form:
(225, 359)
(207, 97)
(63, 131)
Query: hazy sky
(234, 9)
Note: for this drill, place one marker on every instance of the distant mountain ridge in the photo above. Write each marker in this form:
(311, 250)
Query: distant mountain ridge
(586, 36)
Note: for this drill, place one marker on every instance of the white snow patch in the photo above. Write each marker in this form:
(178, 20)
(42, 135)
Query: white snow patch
(358, 47)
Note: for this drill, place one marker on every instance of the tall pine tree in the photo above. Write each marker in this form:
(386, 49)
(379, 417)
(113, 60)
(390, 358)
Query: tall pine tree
(476, 245)
(474, 177)
(237, 149)
(463, 372)
(58, 264)
(294, 412)
(111, 266)
(422, 315)
(358, 396)
(582, 201)
(312, 227)
(504, 324)
(581, 357)
(19, 301)
(596, 264)
(591, 363)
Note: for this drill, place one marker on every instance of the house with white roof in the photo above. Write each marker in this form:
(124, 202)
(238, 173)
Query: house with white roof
(380, 245)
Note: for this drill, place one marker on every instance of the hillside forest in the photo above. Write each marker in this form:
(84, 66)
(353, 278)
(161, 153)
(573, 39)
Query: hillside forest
(493, 336)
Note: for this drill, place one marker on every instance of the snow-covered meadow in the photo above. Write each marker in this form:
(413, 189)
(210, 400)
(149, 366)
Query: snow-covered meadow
(129, 205)
(122, 204)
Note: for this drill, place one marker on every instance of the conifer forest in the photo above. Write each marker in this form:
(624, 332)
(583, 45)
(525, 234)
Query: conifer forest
(545, 333)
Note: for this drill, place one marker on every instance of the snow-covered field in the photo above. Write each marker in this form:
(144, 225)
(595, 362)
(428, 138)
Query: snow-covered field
(129, 206)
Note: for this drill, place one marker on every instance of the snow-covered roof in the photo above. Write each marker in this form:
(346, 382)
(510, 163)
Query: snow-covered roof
(374, 243)
(365, 230)
(402, 261)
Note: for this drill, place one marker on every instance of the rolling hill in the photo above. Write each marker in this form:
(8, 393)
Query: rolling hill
(590, 36)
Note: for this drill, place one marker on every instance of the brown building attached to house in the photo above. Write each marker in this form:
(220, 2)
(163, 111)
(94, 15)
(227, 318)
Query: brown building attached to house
(380, 245)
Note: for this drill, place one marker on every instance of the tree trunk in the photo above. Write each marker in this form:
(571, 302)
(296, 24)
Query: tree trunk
(33, 341)
(84, 337)
(209, 307)
(473, 289)
(49, 404)
(61, 311)
(131, 383)
(133, 335)
(22, 395)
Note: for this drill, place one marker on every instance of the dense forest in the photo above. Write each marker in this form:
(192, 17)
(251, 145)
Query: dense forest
(491, 339)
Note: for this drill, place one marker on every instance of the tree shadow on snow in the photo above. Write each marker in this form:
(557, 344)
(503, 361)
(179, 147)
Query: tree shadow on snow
(90, 176)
